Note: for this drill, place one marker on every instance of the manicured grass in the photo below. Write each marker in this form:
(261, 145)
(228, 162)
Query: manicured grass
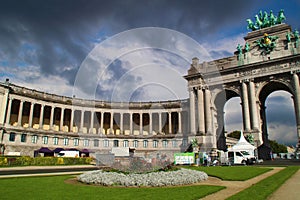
(54, 187)
(266, 187)
(233, 173)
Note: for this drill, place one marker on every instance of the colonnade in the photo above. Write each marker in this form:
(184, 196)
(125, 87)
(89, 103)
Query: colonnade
(67, 118)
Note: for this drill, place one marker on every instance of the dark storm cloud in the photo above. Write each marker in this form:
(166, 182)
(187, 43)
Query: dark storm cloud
(57, 35)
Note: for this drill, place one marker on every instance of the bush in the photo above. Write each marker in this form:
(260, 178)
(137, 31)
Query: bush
(42, 161)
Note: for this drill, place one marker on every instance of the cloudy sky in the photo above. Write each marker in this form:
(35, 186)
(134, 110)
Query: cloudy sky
(133, 50)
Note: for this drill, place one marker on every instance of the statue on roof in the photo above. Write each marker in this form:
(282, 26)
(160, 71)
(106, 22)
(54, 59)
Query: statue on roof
(272, 19)
(280, 17)
(251, 25)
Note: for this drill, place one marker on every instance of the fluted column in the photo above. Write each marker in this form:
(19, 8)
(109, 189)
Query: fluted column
(101, 123)
(8, 111)
(61, 124)
(208, 116)
(159, 123)
(253, 107)
(141, 123)
(179, 123)
(150, 124)
(121, 123)
(245, 106)
(297, 102)
(201, 111)
(192, 111)
(51, 117)
(111, 126)
(170, 122)
(71, 120)
(41, 116)
(81, 120)
(20, 113)
(130, 123)
(30, 115)
(92, 122)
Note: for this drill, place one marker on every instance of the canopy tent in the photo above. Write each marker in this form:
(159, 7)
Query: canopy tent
(57, 150)
(44, 150)
(243, 145)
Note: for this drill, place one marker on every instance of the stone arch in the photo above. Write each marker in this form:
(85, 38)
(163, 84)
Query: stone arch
(220, 100)
(264, 90)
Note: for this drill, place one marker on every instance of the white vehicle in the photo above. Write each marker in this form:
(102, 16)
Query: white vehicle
(73, 154)
(236, 157)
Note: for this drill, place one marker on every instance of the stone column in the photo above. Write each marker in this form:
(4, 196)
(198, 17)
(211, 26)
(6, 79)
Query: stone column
(31, 115)
(130, 123)
(81, 121)
(51, 117)
(159, 123)
(297, 102)
(20, 113)
(201, 111)
(41, 116)
(71, 120)
(192, 111)
(111, 126)
(121, 123)
(208, 116)
(245, 107)
(141, 123)
(253, 107)
(101, 123)
(170, 122)
(92, 122)
(8, 111)
(61, 124)
(150, 124)
(179, 123)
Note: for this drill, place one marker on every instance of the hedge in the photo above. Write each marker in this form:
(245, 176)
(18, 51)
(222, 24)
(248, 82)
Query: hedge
(42, 161)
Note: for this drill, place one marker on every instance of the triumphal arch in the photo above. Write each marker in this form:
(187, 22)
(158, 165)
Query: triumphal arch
(268, 61)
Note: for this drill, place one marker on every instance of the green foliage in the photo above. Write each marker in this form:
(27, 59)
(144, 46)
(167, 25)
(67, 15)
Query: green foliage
(277, 148)
(42, 161)
(54, 187)
(234, 173)
(266, 187)
(235, 134)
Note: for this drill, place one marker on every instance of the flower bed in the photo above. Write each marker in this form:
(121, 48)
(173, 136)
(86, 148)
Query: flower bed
(153, 179)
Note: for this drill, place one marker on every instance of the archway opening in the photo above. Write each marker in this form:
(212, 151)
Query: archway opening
(233, 118)
(281, 119)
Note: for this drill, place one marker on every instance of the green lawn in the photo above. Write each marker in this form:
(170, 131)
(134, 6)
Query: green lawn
(266, 187)
(54, 187)
(233, 173)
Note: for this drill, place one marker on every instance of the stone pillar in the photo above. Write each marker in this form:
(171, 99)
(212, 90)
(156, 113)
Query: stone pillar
(201, 111)
(130, 123)
(179, 123)
(245, 107)
(208, 116)
(101, 123)
(51, 116)
(8, 111)
(31, 115)
(81, 121)
(159, 123)
(92, 122)
(170, 122)
(192, 112)
(121, 123)
(71, 120)
(297, 103)
(253, 107)
(61, 124)
(150, 124)
(141, 123)
(20, 113)
(41, 116)
(111, 126)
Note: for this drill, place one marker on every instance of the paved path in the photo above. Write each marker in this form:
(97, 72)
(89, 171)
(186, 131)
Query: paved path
(289, 190)
(233, 187)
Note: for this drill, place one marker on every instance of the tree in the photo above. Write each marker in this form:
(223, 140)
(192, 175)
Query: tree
(235, 134)
(277, 148)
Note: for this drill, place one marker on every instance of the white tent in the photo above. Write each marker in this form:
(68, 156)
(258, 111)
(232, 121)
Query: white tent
(243, 145)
